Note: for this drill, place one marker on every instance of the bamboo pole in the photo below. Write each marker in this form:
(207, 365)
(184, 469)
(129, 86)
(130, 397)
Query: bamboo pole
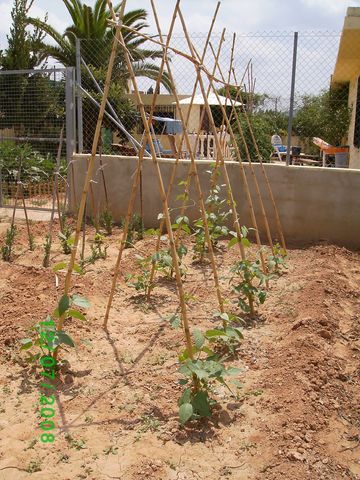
(18, 176)
(91, 163)
(26, 217)
(218, 147)
(271, 195)
(180, 288)
(182, 138)
(55, 189)
(220, 153)
(137, 179)
(103, 178)
(240, 129)
(197, 181)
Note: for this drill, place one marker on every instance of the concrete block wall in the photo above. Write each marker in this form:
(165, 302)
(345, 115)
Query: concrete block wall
(315, 204)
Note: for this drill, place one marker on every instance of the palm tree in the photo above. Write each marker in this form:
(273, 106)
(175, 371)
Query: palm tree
(91, 26)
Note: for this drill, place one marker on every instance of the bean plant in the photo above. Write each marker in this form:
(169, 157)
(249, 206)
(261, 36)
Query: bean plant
(135, 232)
(66, 238)
(9, 241)
(277, 260)
(47, 249)
(226, 337)
(217, 213)
(32, 243)
(247, 283)
(141, 281)
(98, 250)
(164, 263)
(201, 375)
(107, 222)
(45, 337)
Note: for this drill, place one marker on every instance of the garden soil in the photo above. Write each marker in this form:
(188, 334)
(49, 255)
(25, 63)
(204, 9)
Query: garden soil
(296, 416)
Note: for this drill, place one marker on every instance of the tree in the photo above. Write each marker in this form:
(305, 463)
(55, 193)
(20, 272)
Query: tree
(90, 24)
(25, 99)
(326, 115)
(24, 48)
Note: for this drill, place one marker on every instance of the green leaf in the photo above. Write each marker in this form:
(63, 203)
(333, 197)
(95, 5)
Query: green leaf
(224, 316)
(59, 266)
(186, 411)
(199, 339)
(245, 242)
(63, 337)
(76, 314)
(77, 269)
(185, 397)
(201, 404)
(175, 321)
(26, 343)
(215, 333)
(64, 304)
(80, 301)
(232, 242)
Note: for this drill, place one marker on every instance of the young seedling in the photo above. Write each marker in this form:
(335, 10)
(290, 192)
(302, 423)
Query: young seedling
(66, 238)
(9, 241)
(246, 282)
(201, 375)
(228, 336)
(163, 261)
(276, 262)
(217, 215)
(98, 250)
(46, 338)
(47, 250)
(31, 243)
(141, 281)
(107, 222)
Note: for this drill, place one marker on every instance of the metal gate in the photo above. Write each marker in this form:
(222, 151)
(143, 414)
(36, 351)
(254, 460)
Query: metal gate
(36, 111)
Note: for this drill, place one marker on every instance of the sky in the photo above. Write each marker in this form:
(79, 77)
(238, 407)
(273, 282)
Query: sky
(235, 15)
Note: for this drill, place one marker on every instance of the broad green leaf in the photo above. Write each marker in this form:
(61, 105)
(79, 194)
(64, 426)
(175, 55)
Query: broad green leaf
(245, 242)
(64, 304)
(59, 266)
(199, 339)
(232, 242)
(215, 333)
(186, 411)
(224, 316)
(77, 269)
(64, 338)
(185, 397)
(80, 301)
(201, 404)
(175, 321)
(76, 314)
(26, 343)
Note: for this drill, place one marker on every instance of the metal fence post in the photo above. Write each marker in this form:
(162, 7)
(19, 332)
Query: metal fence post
(1, 190)
(79, 98)
(292, 97)
(70, 125)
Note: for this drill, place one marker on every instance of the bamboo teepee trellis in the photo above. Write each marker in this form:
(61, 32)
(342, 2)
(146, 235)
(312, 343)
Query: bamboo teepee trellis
(165, 194)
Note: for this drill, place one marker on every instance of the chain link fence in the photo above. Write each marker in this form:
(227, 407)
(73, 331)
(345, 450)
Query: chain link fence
(285, 88)
(280, 77)
(36, 117)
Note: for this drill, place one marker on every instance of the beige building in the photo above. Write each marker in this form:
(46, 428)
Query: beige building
(347, 70)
